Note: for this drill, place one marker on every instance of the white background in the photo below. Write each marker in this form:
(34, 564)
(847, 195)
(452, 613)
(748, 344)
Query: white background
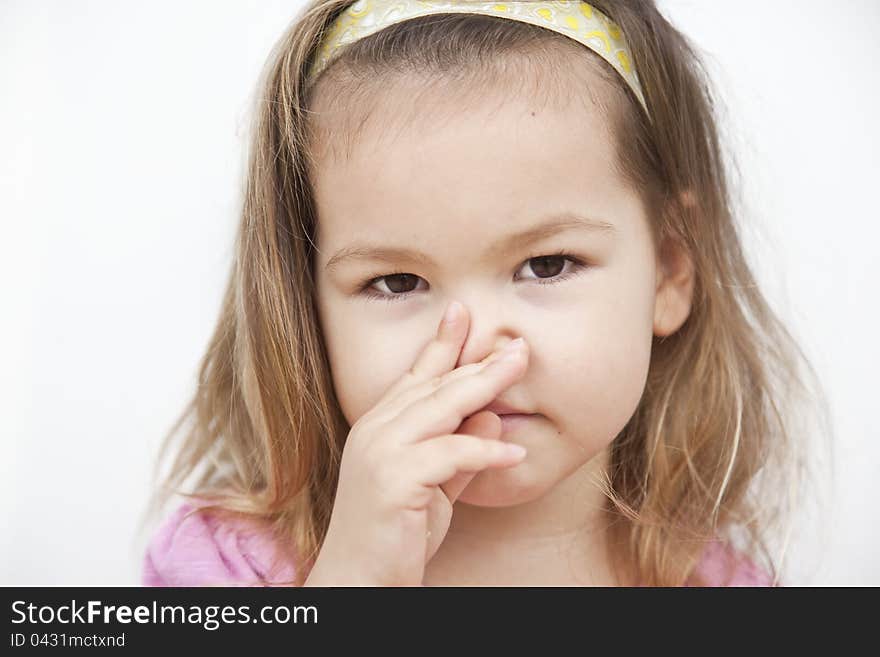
(122, 129)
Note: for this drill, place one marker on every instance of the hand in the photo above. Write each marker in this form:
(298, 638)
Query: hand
(407, 459)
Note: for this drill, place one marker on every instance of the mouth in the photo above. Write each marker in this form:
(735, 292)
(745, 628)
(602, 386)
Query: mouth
(501, 407)
(512, 421)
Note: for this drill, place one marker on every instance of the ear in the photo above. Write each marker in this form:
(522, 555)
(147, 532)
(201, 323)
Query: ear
(675, 287)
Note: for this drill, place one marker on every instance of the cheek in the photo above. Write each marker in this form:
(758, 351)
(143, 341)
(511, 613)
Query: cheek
(600, 359)
(616, 379)
(607, 371)
(365, 363)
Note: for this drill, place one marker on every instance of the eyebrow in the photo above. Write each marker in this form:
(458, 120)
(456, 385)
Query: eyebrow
(550, 226)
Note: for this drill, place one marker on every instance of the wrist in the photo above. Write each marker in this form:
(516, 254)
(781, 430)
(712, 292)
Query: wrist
(327, 573)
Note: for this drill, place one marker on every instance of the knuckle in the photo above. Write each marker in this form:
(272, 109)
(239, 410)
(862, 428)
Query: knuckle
(435, 396)
(470, 368)
(362, 427)
(418, 461)
(421, 495)
(375, 458)
(382, 475)
(386, 480)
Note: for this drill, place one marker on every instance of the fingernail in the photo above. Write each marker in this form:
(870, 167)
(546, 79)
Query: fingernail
(512, 351)
(452, 312)
(515, 450)
(513, 347)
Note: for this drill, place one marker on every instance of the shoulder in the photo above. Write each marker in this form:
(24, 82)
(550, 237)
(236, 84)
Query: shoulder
(721, 565)
(197, 547)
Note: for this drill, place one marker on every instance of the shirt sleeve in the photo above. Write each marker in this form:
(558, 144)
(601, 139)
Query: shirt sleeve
(194, 548)
(721, 565)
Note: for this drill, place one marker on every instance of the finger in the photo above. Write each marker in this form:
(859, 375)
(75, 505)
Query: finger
(392, 407)
(443, 409)
(436, 461)
(484, 424)
(437, 357)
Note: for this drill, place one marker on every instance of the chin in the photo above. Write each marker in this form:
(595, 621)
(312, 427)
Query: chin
(503, 487)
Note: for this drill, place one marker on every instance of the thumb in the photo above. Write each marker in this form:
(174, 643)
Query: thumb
(484, 424)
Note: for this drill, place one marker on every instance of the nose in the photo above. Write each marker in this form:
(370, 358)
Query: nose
(490, 329)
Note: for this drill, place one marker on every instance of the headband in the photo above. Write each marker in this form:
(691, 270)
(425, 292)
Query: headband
(574, 19)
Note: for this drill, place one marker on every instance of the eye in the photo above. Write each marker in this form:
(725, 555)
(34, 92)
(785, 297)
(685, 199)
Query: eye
(399, 285)
(549, 270)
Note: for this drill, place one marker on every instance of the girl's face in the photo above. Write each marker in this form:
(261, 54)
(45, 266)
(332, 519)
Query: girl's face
(466, 208)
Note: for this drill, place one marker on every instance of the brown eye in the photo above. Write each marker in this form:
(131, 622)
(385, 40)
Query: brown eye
(399, 283)
(549, 269)
(547, 266)
(402, 282)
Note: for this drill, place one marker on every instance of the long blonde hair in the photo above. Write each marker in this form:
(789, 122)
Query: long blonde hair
(715, 438)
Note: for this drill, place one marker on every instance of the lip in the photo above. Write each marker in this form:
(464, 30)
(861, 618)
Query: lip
(511, 421)
(502, 408)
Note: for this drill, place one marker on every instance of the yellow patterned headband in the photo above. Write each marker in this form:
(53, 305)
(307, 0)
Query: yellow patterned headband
(575, 19)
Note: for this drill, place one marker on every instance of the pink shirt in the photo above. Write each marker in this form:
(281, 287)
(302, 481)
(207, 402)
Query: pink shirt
(203, 551)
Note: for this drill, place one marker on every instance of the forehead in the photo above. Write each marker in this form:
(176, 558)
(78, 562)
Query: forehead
(430, 162)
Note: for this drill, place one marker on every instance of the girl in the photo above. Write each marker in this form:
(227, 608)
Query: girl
(607, 399)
